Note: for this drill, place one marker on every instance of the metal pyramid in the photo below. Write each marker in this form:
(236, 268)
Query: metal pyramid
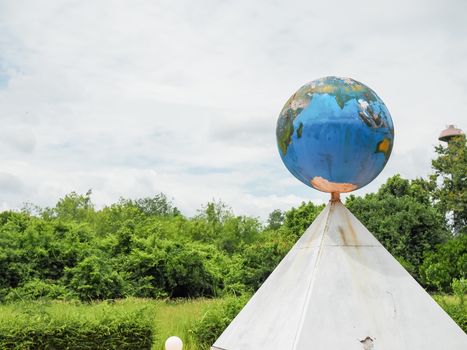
(339, 288)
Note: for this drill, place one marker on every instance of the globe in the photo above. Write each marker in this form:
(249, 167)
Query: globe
(335, 134)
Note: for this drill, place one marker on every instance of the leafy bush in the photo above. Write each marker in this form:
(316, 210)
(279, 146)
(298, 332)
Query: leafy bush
(297, 220)
(256, 263)
(216, 319)
(187, 274)
(123, 325)
(161, 268)
(38, 289)
(447, 263)
(455, 307)
(93, 278)
(459, 286)
(146, 248)
(458, 313)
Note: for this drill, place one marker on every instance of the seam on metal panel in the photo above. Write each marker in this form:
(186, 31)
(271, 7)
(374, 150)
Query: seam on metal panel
(310, 286)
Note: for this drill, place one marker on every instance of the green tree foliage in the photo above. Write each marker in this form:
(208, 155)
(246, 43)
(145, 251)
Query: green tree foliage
(256, 262)
(217, 224)
(159, 205)
(147, 248)
(142, 248)
(188, 272)
(401, 218)
(418, 189)
(459, 287)
(73, 207)
(447, 263)
(275, 219)
(94, 278)
(297, 220)
(39, 289)
(450, 181)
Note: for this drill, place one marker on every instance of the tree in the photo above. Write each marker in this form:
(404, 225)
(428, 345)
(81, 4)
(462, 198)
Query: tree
(210, 221)
(159, 205)
(297, 220)
(275, 219)
(448, 262)
(215, 212)
(73, 206)
(237, 231)
(419, 189)
(450, 182)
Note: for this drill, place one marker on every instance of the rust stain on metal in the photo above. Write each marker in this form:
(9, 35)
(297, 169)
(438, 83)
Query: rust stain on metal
(367, 343)
(351, 230)
(335, 197)
(342, 234)
(324, 185)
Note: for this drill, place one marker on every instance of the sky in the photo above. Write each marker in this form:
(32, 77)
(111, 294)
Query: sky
(133, 98)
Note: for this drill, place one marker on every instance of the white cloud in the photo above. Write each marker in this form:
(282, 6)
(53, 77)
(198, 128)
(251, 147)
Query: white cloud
(10, 183)
(132, 98)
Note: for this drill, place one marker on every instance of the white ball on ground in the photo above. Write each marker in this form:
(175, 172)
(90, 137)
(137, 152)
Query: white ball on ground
(173, 343)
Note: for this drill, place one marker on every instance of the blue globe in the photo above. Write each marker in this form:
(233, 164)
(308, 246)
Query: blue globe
(335, 134)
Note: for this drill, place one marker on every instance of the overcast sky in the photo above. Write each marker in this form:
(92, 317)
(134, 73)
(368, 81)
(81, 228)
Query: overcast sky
(132, 98)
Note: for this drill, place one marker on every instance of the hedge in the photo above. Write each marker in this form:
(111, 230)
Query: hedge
(125, 324)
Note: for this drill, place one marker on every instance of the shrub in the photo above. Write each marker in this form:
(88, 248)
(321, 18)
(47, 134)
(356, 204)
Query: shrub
(447, 263)
(459, 286)
(93, 278)
(38, 289)
(216, 319)
(188, 272)
(122, 325)
(458, 313)
(455, 308)
(255, 264)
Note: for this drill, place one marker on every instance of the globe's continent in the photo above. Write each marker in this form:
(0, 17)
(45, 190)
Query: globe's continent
(335, 134)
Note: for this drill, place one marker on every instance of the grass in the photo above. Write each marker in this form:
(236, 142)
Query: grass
(177, 317)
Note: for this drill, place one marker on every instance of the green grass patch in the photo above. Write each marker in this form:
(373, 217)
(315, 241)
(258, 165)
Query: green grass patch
(177, 317)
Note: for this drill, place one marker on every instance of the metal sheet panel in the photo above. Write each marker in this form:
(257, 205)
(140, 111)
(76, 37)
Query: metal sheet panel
(339, 288)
